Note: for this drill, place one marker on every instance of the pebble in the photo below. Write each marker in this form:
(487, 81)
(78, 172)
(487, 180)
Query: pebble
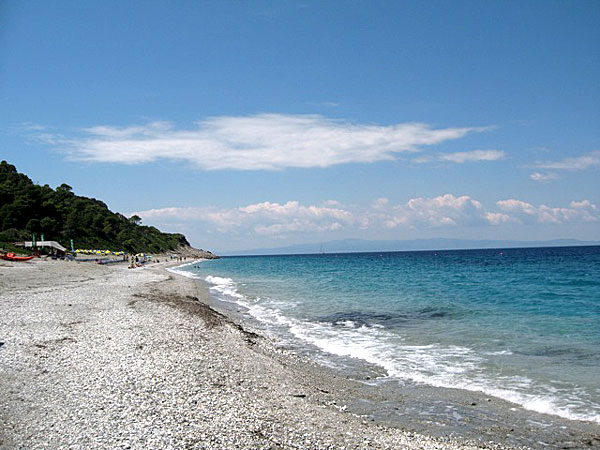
(87, 364)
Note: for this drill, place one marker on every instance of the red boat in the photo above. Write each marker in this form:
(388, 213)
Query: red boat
(13, 257)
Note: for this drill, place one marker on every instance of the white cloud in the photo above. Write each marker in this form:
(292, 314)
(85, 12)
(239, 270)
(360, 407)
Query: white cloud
(445, 210)
(263, 218)
(582, 162)
(520, 211)
(518, 206)
(281, 219)
(543, 177)
(190, 213)
(293, 209)
(584, 204)
(498, 218)
(258, 142)
(380, 203)
(463, 157)
(472, 156)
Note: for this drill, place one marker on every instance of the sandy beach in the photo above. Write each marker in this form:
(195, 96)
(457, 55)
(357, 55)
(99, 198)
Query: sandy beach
(98, 356)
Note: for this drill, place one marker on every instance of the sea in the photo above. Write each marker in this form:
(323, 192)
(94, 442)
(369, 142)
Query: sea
(522, 325)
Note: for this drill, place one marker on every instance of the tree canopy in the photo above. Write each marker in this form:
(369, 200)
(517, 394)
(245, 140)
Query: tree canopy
(59, 214)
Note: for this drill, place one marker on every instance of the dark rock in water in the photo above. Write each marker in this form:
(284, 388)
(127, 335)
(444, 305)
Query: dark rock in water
(360, 318)
(433, 313)
(565, 352)
(1, 344)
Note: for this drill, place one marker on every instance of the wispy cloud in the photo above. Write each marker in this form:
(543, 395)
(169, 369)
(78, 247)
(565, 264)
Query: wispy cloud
(543, 177)
(582, 162)
(463, 157)
(258, 142)
(29, 126)
(472, 156)
(324, 104)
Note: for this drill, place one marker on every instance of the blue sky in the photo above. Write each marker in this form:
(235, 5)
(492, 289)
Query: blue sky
(250, 124)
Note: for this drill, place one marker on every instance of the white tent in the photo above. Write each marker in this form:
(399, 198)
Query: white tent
(52, 244)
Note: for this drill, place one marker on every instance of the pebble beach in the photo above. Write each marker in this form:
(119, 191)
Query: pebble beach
(96, 356)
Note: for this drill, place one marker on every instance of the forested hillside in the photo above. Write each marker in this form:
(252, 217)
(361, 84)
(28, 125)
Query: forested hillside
(59, 214)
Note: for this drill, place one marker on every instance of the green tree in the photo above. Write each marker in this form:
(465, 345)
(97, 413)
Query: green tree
(26, 207)
(48, 226)
(33, 226)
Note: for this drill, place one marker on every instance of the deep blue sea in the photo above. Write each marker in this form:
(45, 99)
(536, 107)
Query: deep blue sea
(519, 324)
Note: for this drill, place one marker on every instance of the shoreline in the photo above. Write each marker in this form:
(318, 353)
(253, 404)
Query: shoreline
(433, 410)
(97, 356)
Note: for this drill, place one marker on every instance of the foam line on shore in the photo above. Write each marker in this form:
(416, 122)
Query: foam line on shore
(185, 273)
(505, 413)
(444, 367)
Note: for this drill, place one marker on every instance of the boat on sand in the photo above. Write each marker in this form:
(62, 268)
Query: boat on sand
(13, 257)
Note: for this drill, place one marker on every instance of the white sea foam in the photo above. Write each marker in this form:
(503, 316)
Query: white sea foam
(346, 323)
(224, 286)
(436, 365)
(185, 273)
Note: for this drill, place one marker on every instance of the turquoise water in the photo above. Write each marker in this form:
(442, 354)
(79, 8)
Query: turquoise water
(519, 324)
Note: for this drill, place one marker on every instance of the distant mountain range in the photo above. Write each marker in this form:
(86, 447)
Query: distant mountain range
(362, 245)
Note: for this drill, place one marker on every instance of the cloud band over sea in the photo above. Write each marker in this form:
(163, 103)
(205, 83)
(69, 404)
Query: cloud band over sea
(272, 218)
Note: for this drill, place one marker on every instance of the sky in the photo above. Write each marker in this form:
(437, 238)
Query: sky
(253, 124)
